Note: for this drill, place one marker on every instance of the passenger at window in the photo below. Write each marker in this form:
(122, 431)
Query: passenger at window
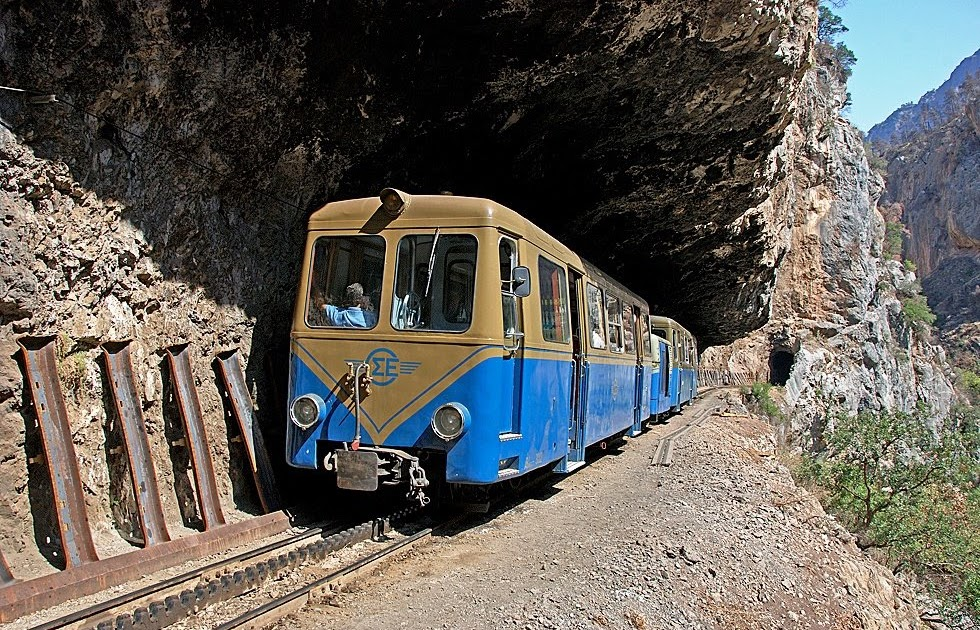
(597, 340)
(358, 311)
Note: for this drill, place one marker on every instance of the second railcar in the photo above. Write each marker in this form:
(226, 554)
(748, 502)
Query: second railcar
(683, 358)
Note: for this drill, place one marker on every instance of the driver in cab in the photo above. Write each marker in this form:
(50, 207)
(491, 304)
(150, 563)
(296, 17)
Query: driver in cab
(357, 312)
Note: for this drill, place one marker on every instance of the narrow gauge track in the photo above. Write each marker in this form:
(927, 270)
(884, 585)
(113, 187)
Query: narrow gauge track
(664, 455)
(285, 604)
(163, 603)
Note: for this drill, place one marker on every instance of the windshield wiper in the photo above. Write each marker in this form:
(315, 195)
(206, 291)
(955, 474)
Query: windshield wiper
(432, 263)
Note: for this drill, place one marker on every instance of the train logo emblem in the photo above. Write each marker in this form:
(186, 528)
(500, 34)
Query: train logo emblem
(386, 366)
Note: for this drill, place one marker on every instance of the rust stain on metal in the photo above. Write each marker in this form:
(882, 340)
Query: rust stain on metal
(28, 596)
(49, 404)
(6, 577)
(241, 405)
(197, 440)
(130, 413)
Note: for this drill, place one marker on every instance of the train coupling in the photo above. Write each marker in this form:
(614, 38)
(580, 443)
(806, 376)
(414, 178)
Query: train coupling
(366, 467)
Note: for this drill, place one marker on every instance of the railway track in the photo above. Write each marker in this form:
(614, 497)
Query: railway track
(298, 564)
(169, 601)
(664, 455)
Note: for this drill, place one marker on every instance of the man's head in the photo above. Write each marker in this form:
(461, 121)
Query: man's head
(354, 293)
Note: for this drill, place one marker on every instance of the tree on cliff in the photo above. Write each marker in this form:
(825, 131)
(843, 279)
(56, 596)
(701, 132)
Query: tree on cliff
(839, 56)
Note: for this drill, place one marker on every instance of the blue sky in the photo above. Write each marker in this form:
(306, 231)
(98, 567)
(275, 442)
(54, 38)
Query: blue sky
(904, 48)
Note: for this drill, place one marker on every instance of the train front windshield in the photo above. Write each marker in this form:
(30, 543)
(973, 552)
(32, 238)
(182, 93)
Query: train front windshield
(434, 282)
(432, 290)
(341, 264)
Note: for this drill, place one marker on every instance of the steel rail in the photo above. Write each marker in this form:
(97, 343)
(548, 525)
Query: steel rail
(288, 598)
(664, 454)
(125, 598)
(174, 607)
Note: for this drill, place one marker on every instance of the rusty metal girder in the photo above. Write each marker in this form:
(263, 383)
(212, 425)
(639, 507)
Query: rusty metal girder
(28, 596)
(120, 367)
(230, 368)
(6, 577)
(66, 483)
(197, 439)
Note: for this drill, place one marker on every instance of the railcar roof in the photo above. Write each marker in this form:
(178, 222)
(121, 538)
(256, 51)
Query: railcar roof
(431, 211)
(665, 322)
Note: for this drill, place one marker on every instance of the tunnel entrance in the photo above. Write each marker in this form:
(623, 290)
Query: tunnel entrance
(780, 363)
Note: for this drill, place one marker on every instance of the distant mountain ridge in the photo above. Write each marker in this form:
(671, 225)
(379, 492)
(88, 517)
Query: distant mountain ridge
(929, 111)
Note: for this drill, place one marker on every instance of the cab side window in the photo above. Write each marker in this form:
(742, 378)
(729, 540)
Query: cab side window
(507, 251)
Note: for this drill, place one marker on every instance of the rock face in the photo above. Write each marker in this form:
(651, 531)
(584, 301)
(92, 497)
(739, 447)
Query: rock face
(684, 147)
(838, 338)
(934, 186)
(163, 195)
(639, 132)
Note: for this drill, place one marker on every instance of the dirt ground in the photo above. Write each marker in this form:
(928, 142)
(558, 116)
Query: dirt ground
(722, 538)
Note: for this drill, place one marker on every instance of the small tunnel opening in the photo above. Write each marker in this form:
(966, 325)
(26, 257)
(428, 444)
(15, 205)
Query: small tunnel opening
(780, 363)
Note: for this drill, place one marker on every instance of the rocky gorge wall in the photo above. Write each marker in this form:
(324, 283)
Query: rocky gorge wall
(838, 338)
(162, 196)
(688, 150)
(933, 188)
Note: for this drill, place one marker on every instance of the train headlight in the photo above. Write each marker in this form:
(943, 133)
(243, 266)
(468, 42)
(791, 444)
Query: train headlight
(307, 410)
(450, 420)
(394, 201)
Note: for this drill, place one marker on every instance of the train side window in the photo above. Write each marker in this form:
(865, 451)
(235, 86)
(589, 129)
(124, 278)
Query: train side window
(614, 317)
(340, 262)
(554, 301)
(434, 282)
(457, 293)
(597, 326)
(645, 334)
(629, 334)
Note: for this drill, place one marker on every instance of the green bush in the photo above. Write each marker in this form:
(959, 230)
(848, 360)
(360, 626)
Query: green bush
(969, 383)
(916, 310)
(911, 493)
(894, 233)
(760, 395)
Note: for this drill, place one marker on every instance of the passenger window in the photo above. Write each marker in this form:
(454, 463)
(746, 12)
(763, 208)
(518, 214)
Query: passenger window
(434, 282)
(554, 301)
(345, 281)
(645, 334)
(597, 328)
(614, 316)
(629, 335)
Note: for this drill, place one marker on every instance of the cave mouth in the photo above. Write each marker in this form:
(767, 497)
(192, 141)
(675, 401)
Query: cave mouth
(780, 364)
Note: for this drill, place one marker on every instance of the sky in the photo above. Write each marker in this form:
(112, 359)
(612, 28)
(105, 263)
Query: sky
(904, 48)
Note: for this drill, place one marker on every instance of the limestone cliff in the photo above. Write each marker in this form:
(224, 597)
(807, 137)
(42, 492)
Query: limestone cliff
(933, 187)
(163, 195)
(838, 338)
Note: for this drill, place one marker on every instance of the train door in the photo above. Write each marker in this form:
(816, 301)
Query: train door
(644, 369)
(632, 348)
(513, 327)
(576, 422)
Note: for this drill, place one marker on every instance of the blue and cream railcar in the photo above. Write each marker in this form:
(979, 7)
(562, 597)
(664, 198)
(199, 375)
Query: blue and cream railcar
(683, 352)
(481, 348)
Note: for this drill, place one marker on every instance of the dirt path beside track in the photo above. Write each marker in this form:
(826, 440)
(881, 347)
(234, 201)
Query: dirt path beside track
(721, 538)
